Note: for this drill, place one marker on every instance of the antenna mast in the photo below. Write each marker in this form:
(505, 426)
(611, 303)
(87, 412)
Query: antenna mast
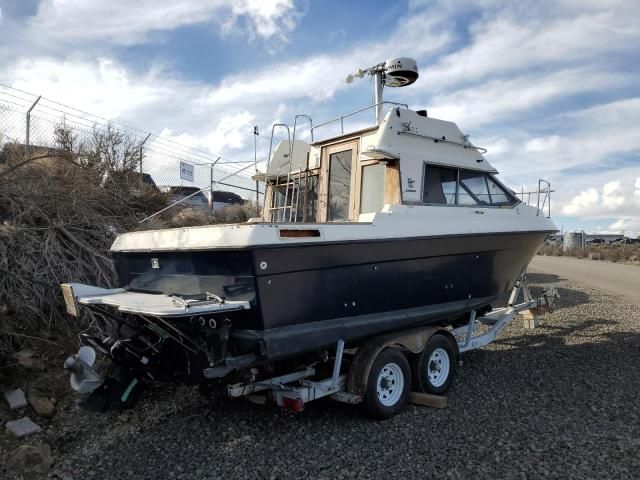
(397, 72)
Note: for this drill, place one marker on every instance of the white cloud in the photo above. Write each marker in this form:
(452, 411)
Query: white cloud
(618, 199)
(230, 133)
(629, 225)
(492, 101)
(104, 87)
(126, 22)
(542, 144)
(512, 37)
(612, 196)
(266, 19)
(585, 200)
(588, 139)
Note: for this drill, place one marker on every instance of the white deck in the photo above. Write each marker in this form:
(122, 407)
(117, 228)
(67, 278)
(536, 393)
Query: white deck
(395, 221)
(148, 303)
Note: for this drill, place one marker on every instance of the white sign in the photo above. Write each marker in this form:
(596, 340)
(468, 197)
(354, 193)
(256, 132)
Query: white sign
(186, 171)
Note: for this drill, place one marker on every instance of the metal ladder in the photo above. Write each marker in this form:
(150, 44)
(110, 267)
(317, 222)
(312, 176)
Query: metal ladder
(292, 188)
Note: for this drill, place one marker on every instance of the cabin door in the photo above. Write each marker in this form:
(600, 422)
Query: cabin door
(339, 183)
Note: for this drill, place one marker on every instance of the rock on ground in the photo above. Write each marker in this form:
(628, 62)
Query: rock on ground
(30, 458)
(27, 359)
(15, 399)
(43, 406)
(22, 427)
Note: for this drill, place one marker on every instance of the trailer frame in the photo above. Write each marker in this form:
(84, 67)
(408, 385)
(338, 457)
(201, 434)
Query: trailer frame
(293, 390)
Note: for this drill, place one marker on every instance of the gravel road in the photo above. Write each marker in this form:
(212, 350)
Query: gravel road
(560, 401)
(612, 278)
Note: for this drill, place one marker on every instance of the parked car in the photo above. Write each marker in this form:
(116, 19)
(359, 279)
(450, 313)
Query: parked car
(221, 199)
(628, 241)
(186, 197)
(134, 182)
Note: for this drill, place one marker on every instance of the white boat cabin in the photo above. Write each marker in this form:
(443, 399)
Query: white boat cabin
(408, 159)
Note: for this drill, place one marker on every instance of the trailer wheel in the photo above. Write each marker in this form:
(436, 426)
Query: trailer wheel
(434, 368)
(388, 384)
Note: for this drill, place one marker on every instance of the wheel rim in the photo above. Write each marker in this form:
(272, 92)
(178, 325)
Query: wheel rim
(390, 384)
(438, 367)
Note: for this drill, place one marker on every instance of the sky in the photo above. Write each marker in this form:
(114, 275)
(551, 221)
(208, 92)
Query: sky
(550, 88)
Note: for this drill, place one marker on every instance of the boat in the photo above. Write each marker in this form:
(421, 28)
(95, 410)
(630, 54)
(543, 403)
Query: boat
(400, 224)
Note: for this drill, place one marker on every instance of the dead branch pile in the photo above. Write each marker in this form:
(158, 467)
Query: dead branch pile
(58, 219)
(60, 210)
(178, 216)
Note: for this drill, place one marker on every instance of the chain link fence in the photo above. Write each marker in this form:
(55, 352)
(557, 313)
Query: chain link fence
(30, 127)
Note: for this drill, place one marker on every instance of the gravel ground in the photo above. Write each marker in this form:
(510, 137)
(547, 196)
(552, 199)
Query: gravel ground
(560, 401)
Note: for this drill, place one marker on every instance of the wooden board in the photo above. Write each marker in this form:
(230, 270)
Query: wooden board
(427, 400)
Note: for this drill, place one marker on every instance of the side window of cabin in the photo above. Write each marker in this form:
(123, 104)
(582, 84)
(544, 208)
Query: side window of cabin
(439, 185)
(372, 194)
(498, 195)
(452, 186)
(473, 188)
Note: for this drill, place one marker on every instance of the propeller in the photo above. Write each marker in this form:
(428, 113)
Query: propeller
(84, 378)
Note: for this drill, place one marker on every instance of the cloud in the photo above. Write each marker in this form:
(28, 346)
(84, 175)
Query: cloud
(126, 23)
(230, 133)
(273, 19)
(497, 99)
(104, 87)
(584, 145)
(629, 225)
(511, 37)
(587, 199)
(617, 198)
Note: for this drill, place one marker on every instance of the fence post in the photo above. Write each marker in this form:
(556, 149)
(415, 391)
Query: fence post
(141, 182)
(28, 128)
(256, 132)
(211, 182)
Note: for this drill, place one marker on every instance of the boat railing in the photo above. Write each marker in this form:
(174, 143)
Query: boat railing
(287, 211)
(540, 197)
(342, 118)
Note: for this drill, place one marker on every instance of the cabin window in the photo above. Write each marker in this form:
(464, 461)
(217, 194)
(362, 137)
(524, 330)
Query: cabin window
(372, 193)
(339, 185)
(497, 193)
(439, 185)
(473, 189)
(307, 199)
(452, 186)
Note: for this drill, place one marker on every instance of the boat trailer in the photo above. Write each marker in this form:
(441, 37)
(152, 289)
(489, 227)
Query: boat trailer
(292, 391)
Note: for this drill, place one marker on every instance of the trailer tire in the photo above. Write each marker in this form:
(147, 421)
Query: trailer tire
(435, 367)
(388, 384)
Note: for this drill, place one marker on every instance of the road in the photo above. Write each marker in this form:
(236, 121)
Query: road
(611, 278)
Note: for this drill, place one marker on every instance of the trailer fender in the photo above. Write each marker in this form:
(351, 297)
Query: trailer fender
(413, 340)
